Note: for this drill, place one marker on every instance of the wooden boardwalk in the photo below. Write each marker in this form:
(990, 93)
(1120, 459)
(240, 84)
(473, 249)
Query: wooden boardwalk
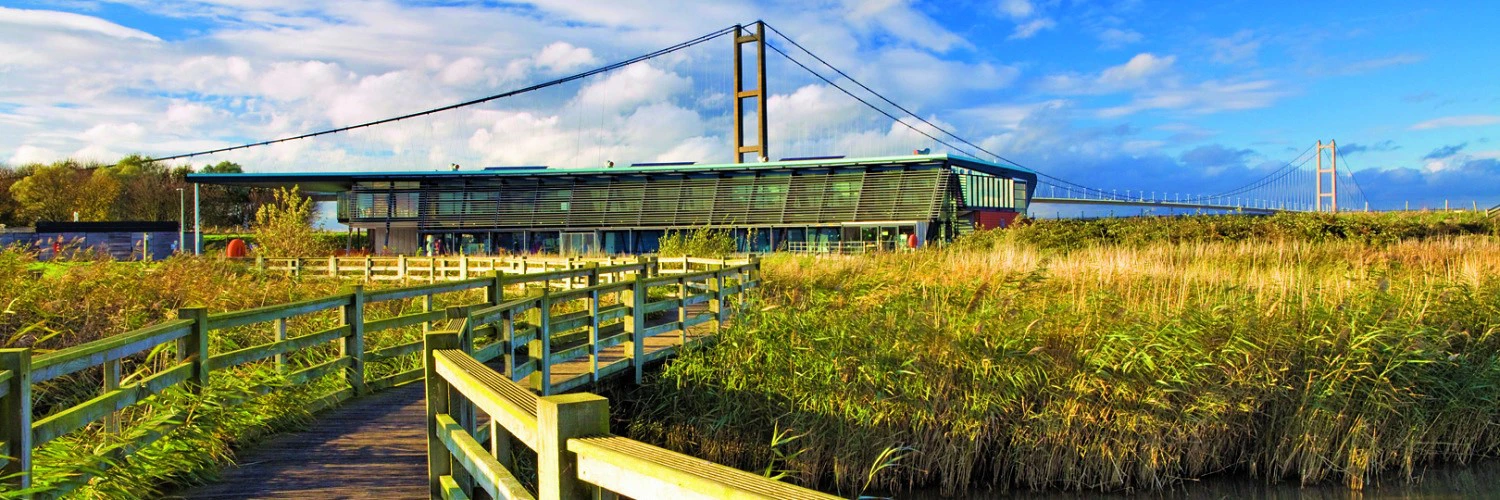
(375, 446)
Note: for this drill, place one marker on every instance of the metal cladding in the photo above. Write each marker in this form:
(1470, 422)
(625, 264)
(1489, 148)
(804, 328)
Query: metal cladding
(787, 193)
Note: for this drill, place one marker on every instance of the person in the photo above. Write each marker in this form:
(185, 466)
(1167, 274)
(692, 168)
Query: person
(911, 241)
(174, 246)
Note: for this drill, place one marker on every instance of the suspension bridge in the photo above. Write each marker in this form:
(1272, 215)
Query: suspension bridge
(686, 104)
(536, 346)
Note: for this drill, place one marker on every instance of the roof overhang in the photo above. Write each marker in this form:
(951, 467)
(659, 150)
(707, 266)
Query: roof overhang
(336, 182)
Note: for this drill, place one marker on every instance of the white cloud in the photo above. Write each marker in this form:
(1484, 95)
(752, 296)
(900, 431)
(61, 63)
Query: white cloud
(72, 22)
(1141, 70)
(1241, 47)
(1135, 71)
(562, 57)
(1204, 98)
(1031, 28)
(32, 154)
(1018, 9)
(1457, 121)
(1115, 38)
(464, 71)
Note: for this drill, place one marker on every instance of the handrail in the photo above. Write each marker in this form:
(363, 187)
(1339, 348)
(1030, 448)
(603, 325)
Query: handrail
(577, 457)
(58, 363)
(463, 267)
(21, 370)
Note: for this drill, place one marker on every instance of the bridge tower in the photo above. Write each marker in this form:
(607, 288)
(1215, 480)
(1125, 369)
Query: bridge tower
(758, 94)
(1332, 193)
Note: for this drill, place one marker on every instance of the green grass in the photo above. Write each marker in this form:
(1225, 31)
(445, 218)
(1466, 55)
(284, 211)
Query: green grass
(1014, 363)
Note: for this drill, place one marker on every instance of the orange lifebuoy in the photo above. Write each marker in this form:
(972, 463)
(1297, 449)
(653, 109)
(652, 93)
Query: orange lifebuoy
(235, 249)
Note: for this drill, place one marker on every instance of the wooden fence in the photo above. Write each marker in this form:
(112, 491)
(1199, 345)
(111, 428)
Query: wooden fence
(576, 455)
(186, 339)
(460, 267)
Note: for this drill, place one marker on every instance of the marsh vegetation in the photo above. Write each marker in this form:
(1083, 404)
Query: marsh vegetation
(1069, 355)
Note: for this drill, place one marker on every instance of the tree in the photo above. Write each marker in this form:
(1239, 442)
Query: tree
(283, 227)
(99, 197)
(50, 192)
(148, 190)
(230, 206)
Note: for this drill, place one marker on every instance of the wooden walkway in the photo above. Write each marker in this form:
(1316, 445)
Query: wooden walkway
(372, 447)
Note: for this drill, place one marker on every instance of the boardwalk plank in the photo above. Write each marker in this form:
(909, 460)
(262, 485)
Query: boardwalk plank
(372, 447)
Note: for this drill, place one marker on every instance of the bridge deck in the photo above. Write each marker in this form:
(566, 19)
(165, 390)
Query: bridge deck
(371, 447)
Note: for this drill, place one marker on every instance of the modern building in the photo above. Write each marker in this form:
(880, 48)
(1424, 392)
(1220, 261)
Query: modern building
(809, 204)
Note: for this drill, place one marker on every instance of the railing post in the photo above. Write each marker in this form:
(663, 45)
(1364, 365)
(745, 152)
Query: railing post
(333, 267)
(560, 418)
(112, 382)
(194, 347)
(15, 418)
(439, 459)
(401, 268)
(280, 336)
(635, 325)
(297, 267)
(594, 331)
(260, 262)
(509, 318)
(682, 295)
(654, 268)
(353, 346)
(717, 306)
(497, 289)
(541, 348)
(463, 267)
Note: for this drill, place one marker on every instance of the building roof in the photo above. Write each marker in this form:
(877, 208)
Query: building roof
(332, 182)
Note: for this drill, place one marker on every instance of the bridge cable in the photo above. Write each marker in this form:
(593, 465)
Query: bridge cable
(1275, 175)
(550, 83)
(882, 97)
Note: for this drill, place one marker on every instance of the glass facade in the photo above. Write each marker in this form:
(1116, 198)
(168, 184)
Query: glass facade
(822, 208)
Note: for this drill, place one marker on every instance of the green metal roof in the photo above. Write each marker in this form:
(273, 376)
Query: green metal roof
(329, 182)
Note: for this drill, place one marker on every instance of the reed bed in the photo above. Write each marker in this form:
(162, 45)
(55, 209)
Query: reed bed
(70, 304)
(1017, 365)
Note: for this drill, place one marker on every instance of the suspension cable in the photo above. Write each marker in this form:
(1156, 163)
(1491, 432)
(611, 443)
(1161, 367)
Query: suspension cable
(481, 100)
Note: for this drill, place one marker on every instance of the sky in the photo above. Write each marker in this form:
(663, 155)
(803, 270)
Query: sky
(1189, 97)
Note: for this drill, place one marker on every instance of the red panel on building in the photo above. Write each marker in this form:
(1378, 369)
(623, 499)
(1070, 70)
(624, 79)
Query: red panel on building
(994, 219)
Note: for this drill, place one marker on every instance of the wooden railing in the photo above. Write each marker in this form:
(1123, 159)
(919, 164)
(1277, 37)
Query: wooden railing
(458, 267)
(1494, 211)
(845, 247)
(576, 455)
(192, 362)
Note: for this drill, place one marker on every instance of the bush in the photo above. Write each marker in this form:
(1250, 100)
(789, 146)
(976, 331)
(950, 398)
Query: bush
(700, 242)
(283, 228)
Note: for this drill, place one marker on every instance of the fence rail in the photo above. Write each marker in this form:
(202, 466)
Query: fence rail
(461, 267)
(1494, 211)
(845, 247)
(551, 338)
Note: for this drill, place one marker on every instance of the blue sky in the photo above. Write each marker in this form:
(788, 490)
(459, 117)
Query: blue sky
(1170, 96)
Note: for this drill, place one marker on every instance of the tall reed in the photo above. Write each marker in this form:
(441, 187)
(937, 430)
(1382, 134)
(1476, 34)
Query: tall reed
(1102, 366)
